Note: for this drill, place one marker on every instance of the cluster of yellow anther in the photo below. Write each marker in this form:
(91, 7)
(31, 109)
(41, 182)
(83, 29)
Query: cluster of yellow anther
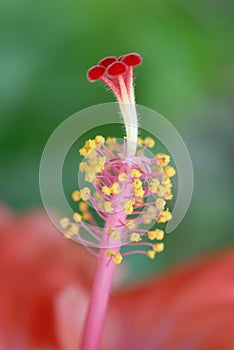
(128, 206)
(147, 142)
(107, 206)
(156, 234)
(95, 163)
(115, 257)
(135, 237)
(71, 229)
(112, 189)
(90, 145)
(137, 185)
(114, 234)
(157, 248)
(163, 188)
(141, 193)
(83, 194)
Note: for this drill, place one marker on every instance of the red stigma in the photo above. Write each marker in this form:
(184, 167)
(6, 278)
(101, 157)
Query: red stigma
(95, 72)
(116, 68)
(107, 61)
(114, 72)
(132, 59)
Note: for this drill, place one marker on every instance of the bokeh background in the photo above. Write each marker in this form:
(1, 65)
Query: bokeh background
(187, 76)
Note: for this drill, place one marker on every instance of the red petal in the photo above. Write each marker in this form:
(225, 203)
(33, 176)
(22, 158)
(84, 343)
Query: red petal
(116, 68)
(132, 59)
(107, 61)
(95, 72)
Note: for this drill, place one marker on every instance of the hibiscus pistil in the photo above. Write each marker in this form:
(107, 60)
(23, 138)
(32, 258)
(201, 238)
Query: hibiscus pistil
(126, 188)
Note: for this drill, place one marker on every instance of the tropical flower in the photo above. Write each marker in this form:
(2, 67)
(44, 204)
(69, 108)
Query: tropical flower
(126, 187)
(46, 281)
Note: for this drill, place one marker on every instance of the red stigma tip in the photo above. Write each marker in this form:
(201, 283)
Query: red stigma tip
(107, 61)
(116, 68)
(95, 72)
(132, 59)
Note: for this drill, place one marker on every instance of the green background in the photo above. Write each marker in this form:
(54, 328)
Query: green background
(187, 75)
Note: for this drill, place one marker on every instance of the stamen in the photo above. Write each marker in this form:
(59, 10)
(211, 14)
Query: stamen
(130, 191)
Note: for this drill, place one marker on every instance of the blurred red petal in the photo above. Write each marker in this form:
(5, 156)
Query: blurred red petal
(70, 310)
(36, 264)
(190, 308)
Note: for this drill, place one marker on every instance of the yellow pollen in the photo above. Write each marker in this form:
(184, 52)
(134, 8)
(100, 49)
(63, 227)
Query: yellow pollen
(160, 191)
(122, 177)
(115, 188)
(114, 234)
(135, 173)
(77, 217)
(83, 166)
(151, 235)
(128, 206)
(151, 254)
(99, 140)
(100, 164)
(137, 183)
(76, 196)
(93, 159)
(130, 224)
(117, 258)
(164, 159)
(64, 222)
(83, 207)
(110, 253)
(72, 231)
(155, 181)
(167, 184)
(139, 192)
(153, 186)
(168, 196)
(164, 216)
(88, 147)
(86, 216)
(160, 203)
(85, 194)
(149, 142)
(169, 171)
(106, 190)
(159, 234)
(140, 141)
(107, 207)
(158, 247)
(135, 237)
(90, 174)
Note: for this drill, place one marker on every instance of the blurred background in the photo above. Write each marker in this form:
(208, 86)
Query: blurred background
(187, 75)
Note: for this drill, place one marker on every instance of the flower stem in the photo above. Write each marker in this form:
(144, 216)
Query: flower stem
(99, 300)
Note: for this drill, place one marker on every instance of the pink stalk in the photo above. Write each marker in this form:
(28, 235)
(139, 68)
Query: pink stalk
(99, 296)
